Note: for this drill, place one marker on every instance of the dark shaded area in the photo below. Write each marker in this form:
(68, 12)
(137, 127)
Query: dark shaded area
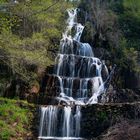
(96, 119)
(125, 130)
(112, 28)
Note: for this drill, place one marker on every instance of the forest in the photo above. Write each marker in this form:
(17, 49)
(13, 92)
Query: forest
(31, 33)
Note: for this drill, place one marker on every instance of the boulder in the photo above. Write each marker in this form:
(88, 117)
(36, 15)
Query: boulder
(125, 130)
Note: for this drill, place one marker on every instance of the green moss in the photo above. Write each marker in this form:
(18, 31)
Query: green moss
(15, 118)
(6, 134)
(102, 116)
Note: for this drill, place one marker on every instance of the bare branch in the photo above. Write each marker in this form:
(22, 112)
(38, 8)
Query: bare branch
(43, 10)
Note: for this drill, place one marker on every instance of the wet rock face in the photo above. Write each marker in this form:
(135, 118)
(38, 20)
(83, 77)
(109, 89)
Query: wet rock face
(96, 119)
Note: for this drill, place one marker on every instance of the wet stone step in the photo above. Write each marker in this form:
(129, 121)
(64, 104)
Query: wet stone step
(69, 46)
(69, 65)
(67, 57)
(76, 83)
(75, 93)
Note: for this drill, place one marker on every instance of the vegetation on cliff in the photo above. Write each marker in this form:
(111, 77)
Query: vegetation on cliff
(30, 31)
(29, 37)
(112, 27)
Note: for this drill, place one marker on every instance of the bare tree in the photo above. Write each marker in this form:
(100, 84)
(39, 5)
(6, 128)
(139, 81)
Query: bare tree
(105, 22)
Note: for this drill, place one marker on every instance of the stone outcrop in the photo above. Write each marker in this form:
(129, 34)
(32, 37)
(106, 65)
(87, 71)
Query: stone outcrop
(123, 95)
(110, 121)
(125, 130)
(96, 119)
(117, 121)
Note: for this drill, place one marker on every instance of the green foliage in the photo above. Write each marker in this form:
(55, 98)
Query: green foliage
(6, 132)
(132, 5)
(127, 56)
(114, 25)
(129, 22)
(14, 119)
(28, 30)
(102, 116)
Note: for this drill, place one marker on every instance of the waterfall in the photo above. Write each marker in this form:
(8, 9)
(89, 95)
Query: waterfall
(61, 122)
(48, 121)
(67, 122)
(79, 75)
(77, 121)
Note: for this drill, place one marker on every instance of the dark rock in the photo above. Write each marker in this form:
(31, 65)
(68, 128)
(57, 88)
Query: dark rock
(16, 88)
(32, 98)
(125, 130)
(96, 119)
(122, 95)
(132, 80)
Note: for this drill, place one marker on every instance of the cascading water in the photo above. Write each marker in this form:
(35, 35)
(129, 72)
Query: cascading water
(79, 76)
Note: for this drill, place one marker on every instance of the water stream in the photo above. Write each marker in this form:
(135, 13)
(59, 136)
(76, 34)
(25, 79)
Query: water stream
(80, 80)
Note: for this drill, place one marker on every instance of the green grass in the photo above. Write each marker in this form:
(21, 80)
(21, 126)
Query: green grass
(15, 118)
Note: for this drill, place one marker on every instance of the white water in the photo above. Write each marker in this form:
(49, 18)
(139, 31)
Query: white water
(48, 121)
(60, 138)
(77, 120)
(67, 122)
(76, 69)
(78, 62)
(60, 121)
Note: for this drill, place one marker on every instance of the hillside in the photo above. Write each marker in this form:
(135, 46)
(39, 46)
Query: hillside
(69, 69)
